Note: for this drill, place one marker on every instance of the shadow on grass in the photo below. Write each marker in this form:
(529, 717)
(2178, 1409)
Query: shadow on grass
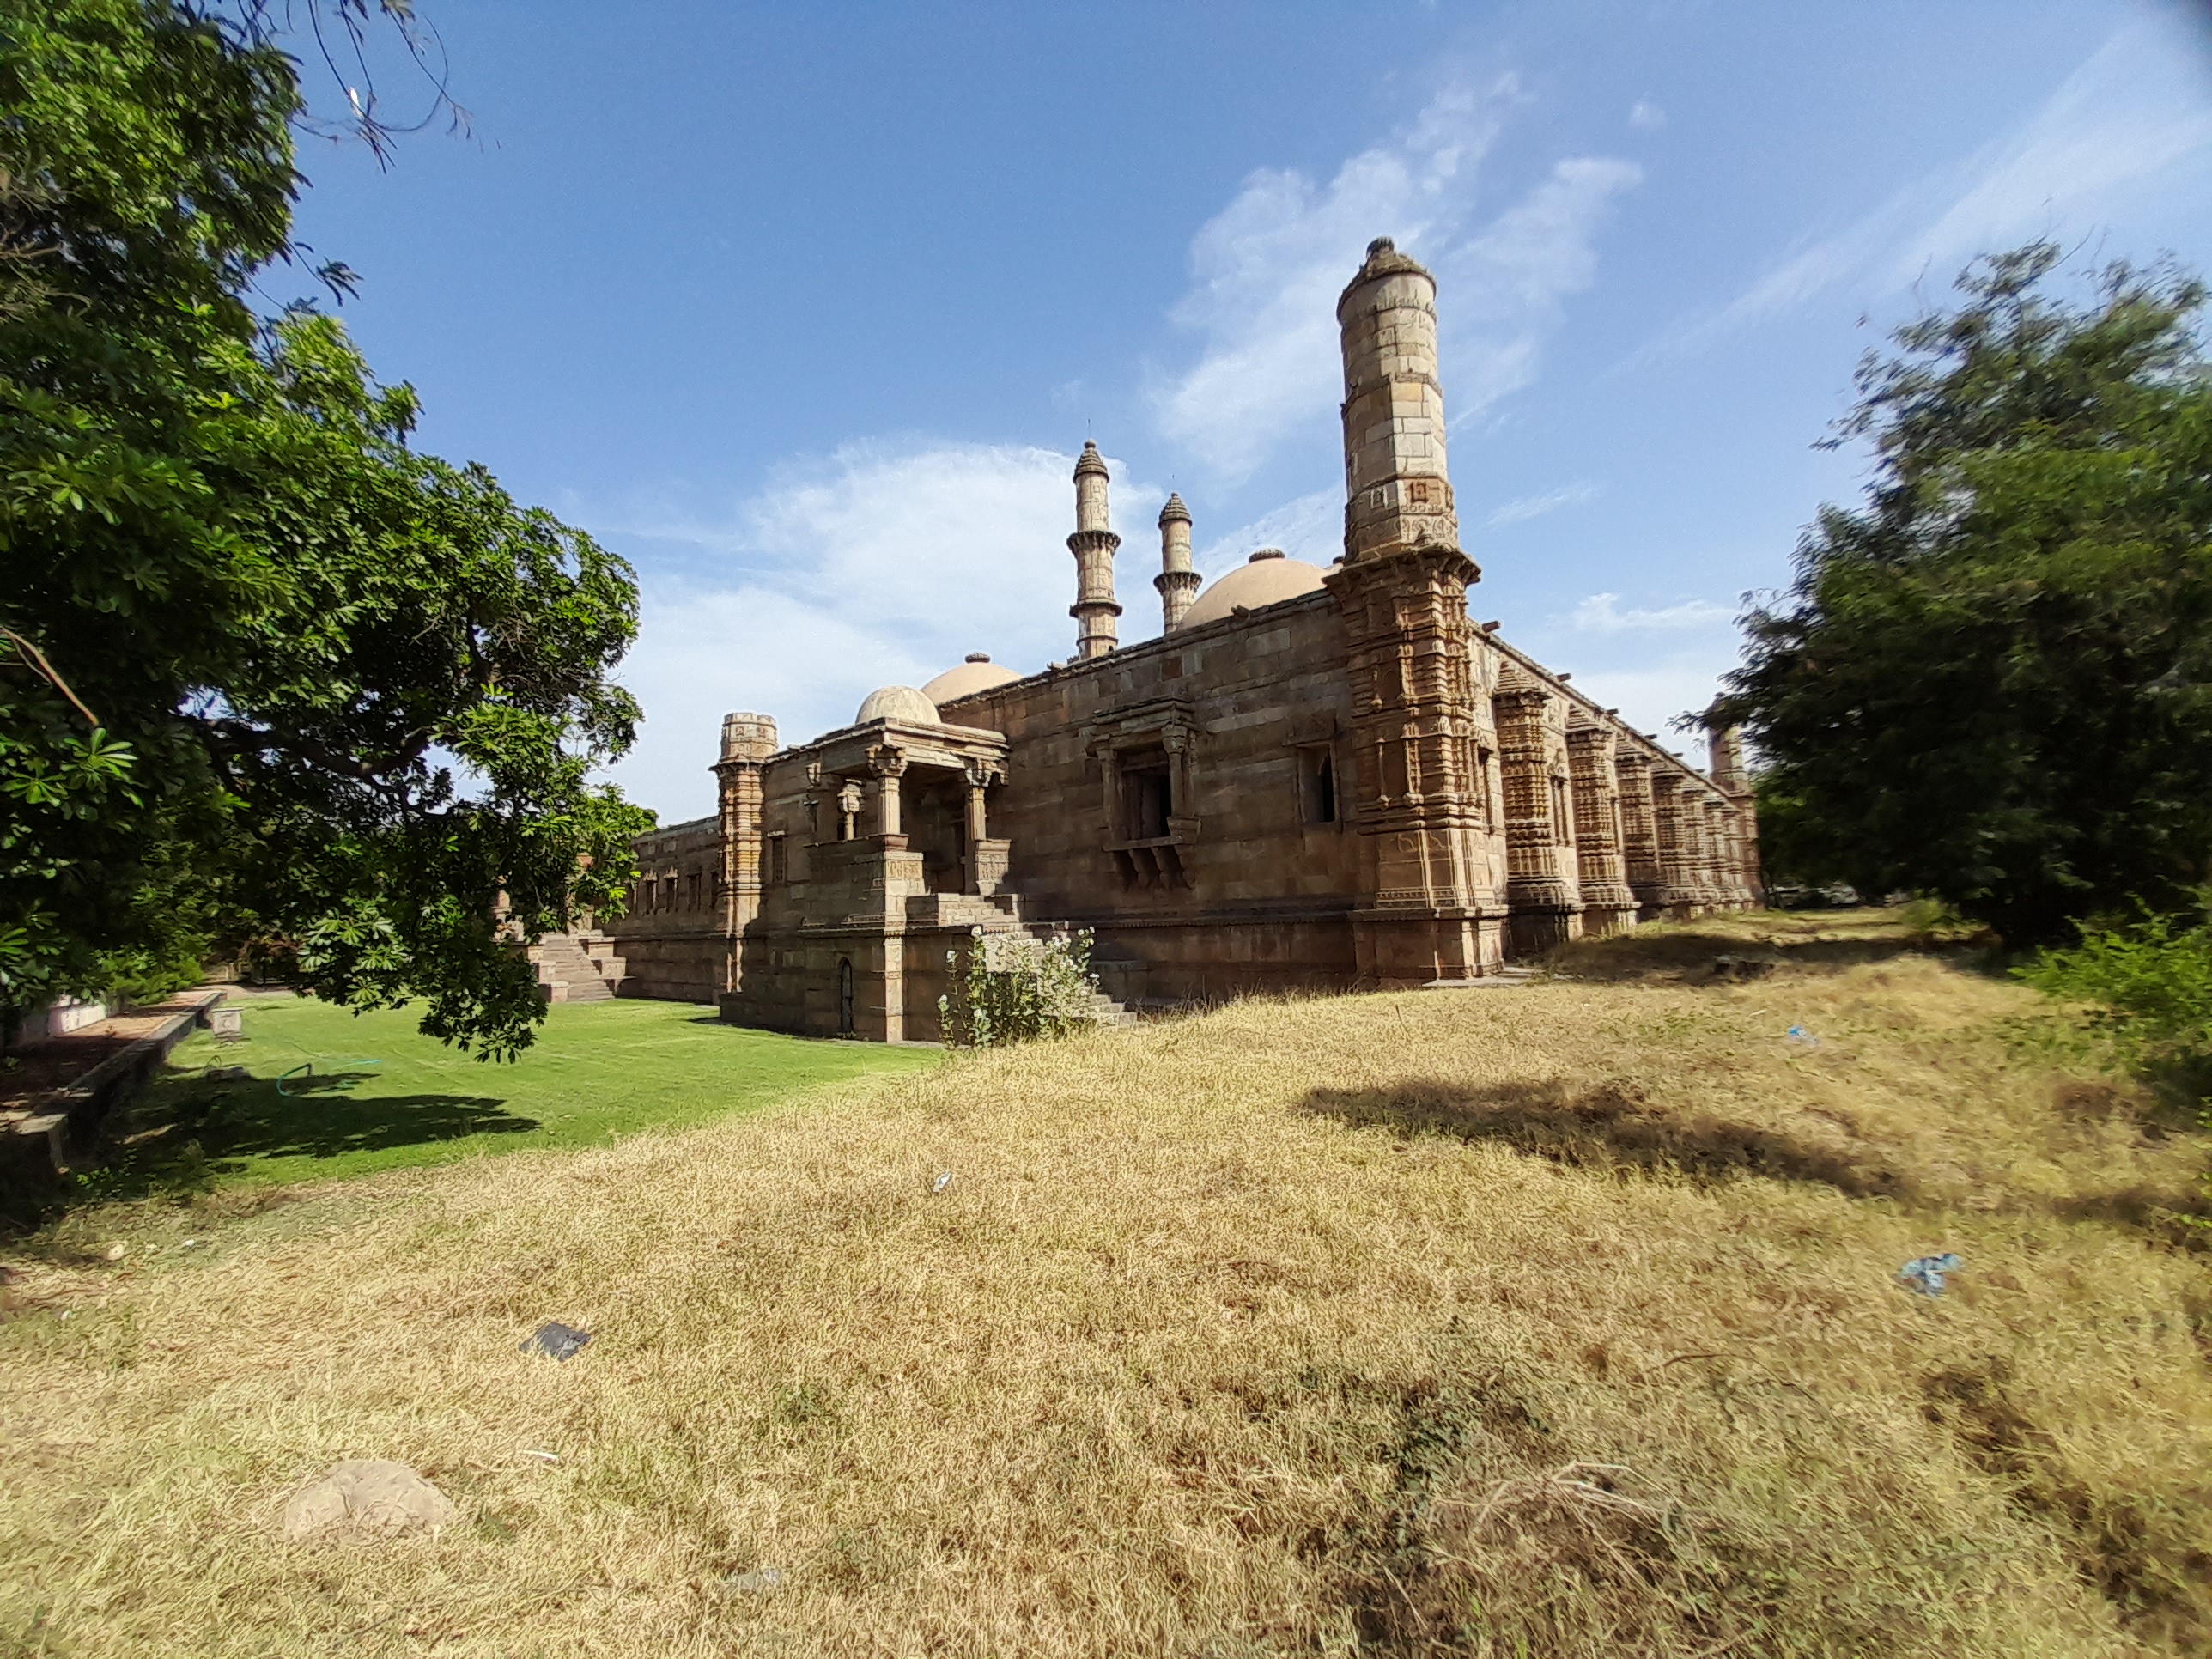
(188, 1131)
(1610, 1127)
(1684, 953)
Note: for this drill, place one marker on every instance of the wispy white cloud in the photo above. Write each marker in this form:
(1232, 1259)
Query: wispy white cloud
(1600, 613)
(1651, 698)
(2127, 118)
(1522, 509)
(1269, 267)
(883, 565)
(1646, 116)
(1310, 528)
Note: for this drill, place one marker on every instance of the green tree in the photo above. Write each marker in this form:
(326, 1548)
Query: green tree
(270, 676)
(1992, 682)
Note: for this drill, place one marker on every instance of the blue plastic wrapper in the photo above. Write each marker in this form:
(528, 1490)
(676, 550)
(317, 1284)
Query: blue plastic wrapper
(1924, 1274)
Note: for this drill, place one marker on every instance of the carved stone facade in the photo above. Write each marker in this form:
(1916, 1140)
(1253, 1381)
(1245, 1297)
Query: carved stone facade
(1310, 781)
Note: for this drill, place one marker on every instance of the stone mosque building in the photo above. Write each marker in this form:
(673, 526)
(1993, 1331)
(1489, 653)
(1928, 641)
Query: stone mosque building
(1312, 780)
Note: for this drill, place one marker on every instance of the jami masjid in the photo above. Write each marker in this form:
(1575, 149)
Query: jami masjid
(1312, 780)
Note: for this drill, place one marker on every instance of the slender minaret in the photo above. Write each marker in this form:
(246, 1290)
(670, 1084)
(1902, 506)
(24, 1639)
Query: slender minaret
(1093, 545)
(1177, 582)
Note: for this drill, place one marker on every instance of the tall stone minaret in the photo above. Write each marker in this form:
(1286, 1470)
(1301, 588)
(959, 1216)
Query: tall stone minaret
(1435, 873)
(1093, 545)
(1177, 582)
(1397, 494)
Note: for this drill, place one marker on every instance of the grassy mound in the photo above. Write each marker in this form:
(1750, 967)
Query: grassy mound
(1559, 1320)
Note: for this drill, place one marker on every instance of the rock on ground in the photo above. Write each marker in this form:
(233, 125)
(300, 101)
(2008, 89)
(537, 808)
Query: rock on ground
(366, 1497)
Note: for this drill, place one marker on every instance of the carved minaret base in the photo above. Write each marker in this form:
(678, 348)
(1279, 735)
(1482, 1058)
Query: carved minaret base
(1093, 544)
(1434, 908)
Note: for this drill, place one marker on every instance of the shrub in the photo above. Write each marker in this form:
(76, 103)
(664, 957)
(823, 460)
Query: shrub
(2146, 991)
(1012, 987)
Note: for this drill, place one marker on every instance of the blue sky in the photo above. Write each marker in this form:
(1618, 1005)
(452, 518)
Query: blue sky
(806, 310)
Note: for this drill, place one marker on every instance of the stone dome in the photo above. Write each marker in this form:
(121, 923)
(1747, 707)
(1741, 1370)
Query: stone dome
(896, 702)
(978, 673)
(1267, 577)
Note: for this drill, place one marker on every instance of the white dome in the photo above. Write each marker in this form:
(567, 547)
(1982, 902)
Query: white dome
(978, 673)
(902, 703)
(1267, 577)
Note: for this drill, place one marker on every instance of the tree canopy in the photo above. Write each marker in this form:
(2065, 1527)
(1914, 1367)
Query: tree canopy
(271, 679)
(1992, 681)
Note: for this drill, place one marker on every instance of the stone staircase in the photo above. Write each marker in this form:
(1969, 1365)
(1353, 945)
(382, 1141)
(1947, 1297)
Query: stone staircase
(995, 911)
(1107, 1011)
(577, 967)
(992, 910)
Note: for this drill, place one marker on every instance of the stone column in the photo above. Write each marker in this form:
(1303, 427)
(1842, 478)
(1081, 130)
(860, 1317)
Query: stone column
(986, 859)
(1093, 545)
(1433, 910)
(1716, 859)
(1732, 778)
(1608, 906)
(887, 766)
(1678, 852)
(1542, 887)
(1639, 833)
(1177, 582)
(748, 740)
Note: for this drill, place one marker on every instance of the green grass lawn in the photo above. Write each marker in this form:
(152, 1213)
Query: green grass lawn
(332, 1093)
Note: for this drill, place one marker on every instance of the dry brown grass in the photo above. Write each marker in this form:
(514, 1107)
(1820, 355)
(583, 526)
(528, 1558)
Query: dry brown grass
(1550, 1320)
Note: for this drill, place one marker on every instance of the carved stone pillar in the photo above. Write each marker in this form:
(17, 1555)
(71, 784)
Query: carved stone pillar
(1639, 834)
(748, 740)
(849, 811)
(1716, 862)
(1608, 906)
(887, 766)
(1543, 887)
(1678, 850)
(1733, 780)
(986, 859)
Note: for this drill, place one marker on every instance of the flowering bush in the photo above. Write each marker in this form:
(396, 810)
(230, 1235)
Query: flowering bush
(1011, 988)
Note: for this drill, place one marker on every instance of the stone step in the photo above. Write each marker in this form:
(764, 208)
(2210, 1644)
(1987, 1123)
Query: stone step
(567, 972)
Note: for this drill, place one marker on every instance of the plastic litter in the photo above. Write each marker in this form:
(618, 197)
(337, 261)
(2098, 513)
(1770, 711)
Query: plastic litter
(1804, 1038)
(1924, 1274)
(551, 1457)
(941, 1182)
(557, 1341)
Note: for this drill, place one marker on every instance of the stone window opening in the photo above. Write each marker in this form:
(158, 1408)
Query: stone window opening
(668, 893)
(1563, 820)
(1147, 798)
(846, 1026)
(1317, 792)
(779, 859)
(692, 890)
